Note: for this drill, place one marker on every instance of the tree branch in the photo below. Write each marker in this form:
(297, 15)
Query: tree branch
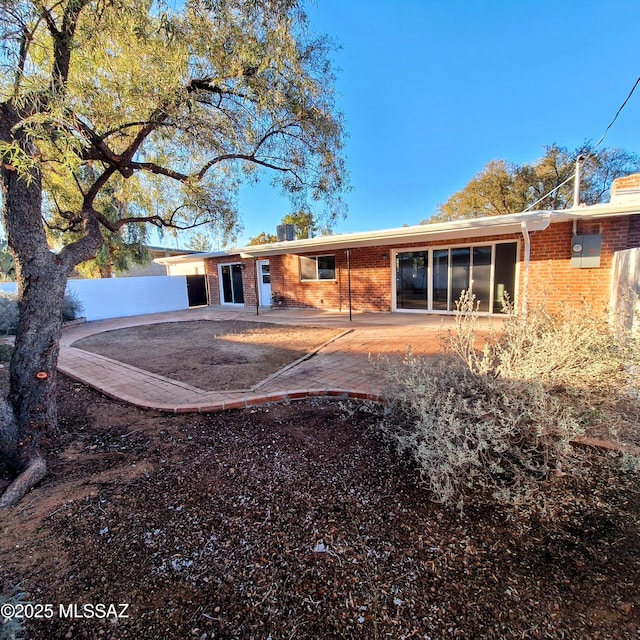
(152, 167)
(204, 84)
(242, 156)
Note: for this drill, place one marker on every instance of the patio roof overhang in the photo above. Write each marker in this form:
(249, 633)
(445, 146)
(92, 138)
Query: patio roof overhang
(441, 231)
(515, 223)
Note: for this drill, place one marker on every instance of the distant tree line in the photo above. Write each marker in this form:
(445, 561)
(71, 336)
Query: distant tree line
(505, 187)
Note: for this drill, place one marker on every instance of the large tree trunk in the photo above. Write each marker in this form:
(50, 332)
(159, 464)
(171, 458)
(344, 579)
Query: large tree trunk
(29, 419)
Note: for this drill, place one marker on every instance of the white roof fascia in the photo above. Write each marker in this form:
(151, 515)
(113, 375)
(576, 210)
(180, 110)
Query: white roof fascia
(595, 211)
(441, 231)
(191, 257)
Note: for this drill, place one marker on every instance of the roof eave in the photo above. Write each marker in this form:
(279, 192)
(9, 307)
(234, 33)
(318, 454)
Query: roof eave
(444, 231)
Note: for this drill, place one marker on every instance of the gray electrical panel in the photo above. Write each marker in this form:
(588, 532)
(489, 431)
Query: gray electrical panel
(585, 251)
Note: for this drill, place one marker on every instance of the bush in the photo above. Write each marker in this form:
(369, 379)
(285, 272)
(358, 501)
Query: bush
(9, 315)
(573, 349)
(6, 351)
(475, 434)
(495, 415)
(71, 306)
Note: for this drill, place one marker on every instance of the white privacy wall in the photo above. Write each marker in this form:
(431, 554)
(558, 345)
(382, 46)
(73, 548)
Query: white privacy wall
(117, 297)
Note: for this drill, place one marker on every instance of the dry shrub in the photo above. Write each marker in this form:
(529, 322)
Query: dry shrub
(574, 349)
(496, 418)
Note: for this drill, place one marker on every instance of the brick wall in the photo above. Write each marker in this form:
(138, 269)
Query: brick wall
(552, 280)
(248, 278)
(370, 282)
(370, 278)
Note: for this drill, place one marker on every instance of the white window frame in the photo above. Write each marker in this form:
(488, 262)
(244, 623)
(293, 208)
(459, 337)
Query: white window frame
(315, 259)
(430, 250)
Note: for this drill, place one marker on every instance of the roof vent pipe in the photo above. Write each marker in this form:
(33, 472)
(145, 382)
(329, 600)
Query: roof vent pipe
(576, 182)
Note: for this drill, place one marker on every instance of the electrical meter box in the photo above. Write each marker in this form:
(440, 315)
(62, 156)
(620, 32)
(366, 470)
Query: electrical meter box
(585, 251)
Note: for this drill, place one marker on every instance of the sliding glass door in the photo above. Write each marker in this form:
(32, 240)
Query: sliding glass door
(411, 280)
(231, 284)
(433, 279)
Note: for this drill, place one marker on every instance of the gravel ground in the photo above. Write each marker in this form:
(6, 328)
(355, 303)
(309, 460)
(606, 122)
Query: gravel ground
(298, 521)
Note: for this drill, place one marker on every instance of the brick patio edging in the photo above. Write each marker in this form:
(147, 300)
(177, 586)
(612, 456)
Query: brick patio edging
(247, 401)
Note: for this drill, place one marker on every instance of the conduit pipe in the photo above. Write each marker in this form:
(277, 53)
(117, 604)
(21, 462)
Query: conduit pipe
(527, 260)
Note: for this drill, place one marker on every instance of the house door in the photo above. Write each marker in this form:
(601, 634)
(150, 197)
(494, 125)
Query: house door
(197, 290)
(231, 291)
(264, 282)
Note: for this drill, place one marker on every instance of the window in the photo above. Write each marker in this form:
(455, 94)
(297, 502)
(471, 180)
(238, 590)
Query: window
(433, 279)
(318, 268)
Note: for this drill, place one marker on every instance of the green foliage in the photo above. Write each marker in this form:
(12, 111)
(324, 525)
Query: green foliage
(176, 105)
(503, 187)
(200, 242)
(8, 313)
(7, 264)
(6, 351)
(263, 238)
(71, 307)
(304, 224)
(493, 417)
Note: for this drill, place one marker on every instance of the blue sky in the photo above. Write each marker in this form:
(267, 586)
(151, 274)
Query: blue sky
(432, 90)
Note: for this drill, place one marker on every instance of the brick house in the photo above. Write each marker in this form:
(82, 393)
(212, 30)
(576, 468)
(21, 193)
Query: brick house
(557, 257)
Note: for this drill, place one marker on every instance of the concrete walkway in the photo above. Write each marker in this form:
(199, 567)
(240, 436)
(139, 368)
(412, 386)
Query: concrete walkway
(340, 368)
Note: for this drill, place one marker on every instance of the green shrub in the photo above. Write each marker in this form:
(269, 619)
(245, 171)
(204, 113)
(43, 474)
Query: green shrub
(71, 306)
(6, 351)
(9, 315)
(495, 414)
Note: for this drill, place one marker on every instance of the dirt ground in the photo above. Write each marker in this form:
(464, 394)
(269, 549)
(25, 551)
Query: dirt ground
(298, 521)
(209, 355)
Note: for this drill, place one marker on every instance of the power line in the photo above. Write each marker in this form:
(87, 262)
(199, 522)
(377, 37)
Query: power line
(595, 146)
(622, 106)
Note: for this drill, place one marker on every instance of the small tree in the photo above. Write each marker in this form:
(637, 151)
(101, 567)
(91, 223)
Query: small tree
(176, 106)
(304, 224)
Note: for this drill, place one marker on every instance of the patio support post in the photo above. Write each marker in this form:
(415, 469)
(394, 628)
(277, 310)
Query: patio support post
(257, 283)
(349, 281)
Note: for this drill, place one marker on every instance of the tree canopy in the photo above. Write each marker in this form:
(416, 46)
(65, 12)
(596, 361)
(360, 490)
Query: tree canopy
(263, 238)
(138, 95)
(200, 242)
(503, 187)
(165, 110)
(305, 225)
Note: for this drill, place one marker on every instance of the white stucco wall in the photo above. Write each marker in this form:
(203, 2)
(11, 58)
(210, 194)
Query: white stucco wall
(119, 297)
